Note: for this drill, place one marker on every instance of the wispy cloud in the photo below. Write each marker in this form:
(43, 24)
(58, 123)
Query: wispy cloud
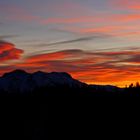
(71, 41)
(74, 40)
(127, 4)
(101, 66)
(3, 37)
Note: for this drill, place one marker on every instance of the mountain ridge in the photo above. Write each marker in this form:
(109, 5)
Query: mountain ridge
(22, 81)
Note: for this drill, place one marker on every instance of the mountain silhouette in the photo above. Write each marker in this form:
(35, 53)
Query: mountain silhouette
(20, 82)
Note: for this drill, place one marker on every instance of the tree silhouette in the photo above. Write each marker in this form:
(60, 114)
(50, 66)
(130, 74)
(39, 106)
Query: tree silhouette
(131, 85)
(137, 85)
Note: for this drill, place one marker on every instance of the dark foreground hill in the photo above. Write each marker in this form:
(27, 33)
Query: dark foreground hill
(21, 83)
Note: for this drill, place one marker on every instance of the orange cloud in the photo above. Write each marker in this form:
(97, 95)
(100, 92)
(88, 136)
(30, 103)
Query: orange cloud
(120, 67)
(125, 17)
(108, 30)
(103, 29)
(91, 20)
(127, 4)
(9, 52)
(50, 56)
(135, 7)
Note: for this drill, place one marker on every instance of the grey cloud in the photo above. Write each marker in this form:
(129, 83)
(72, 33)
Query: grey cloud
(72, 41)
(2, 37)
(80, 39)
(77, 40)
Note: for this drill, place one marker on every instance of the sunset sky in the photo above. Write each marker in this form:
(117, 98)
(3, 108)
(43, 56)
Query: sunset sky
(96, 41)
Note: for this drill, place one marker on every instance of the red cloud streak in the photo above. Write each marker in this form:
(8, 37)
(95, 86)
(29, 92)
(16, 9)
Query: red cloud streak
(120, 67)
(9, 52)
